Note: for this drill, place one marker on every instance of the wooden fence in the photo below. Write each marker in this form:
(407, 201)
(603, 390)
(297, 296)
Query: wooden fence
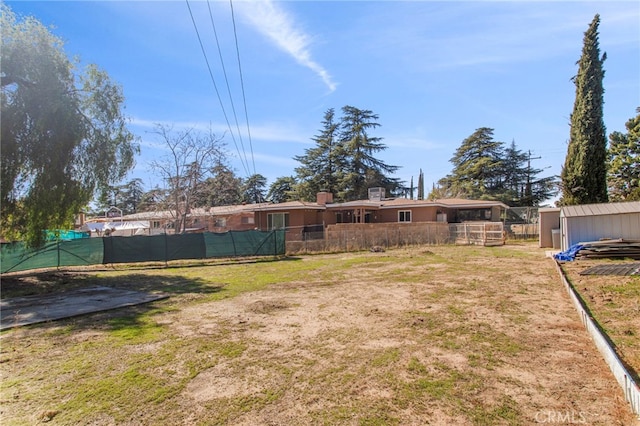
(365, 236)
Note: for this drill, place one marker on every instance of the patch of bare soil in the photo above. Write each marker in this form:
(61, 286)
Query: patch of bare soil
(614, 302)
(497, 342)
(444, 336)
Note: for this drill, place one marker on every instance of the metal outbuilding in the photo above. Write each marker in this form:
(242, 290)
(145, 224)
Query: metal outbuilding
(593, 222)
(549, 227)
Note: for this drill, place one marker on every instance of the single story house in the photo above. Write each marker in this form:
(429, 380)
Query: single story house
(302, 217)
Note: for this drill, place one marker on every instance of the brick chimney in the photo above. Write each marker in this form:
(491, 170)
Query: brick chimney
(324, 198)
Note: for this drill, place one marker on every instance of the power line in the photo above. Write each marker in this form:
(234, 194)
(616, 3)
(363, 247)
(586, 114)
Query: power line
(224, 71)
(244, 99)
(204, 53)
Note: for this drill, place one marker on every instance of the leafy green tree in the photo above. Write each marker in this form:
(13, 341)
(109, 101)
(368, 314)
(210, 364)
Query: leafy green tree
(343, 160)
(154, 200)
(320, 165)
(515, 173)
(126, 197)
(132, 193)
(484, 169)
(282, 190)
(477, 166)
(64, 136)
(254, 189)
(224, 188)
(584, 175)
(624, 162)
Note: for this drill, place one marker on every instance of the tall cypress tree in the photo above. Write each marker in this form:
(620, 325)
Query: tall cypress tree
(421, 186)
(584, 175)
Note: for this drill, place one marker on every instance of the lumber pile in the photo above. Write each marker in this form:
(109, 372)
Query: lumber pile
(609, 248)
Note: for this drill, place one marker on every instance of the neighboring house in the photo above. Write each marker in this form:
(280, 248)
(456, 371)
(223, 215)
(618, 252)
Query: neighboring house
(591, 222)
(301, 217)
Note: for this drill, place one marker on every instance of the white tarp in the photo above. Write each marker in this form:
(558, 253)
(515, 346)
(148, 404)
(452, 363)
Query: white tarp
(116, 226)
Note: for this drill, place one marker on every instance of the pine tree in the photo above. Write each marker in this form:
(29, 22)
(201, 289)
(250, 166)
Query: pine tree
(283, 189)
(584, 175)
(361, 169)
(477, 166)
(624, 162)
(319, 166)
(343, 161)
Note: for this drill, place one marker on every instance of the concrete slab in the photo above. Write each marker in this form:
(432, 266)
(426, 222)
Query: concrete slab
(21, 311)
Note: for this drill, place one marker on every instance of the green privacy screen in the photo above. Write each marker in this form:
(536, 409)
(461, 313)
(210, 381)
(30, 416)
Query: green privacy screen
(91, 251)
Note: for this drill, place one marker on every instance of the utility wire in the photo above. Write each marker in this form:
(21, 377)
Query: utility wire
(204, 53)
(224, 71)
(244, 99)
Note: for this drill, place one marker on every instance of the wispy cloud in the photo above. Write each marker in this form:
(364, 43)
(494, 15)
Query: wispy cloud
(271, 20)
(268, 132)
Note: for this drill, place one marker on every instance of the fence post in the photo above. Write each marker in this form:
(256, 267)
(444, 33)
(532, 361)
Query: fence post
(166, 250)
(233, 243)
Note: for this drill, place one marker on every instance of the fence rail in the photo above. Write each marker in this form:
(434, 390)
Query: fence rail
(364, 236)
(485, 233)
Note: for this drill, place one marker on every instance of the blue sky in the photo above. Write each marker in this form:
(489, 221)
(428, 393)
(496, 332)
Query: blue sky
(434, 72)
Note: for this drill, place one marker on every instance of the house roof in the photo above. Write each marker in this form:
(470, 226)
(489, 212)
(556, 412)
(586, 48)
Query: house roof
(601, 209)
(289, 205)
(407, 203)
(234, 209)
(393, 203)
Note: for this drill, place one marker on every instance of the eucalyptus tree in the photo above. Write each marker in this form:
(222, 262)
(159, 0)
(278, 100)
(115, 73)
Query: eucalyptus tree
(584, 175)
(64, 135)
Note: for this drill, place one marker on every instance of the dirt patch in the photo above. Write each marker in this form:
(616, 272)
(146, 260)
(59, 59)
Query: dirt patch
(448, 335)
(614, 303)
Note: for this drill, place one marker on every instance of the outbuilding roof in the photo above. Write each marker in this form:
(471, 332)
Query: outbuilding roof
(603, 209)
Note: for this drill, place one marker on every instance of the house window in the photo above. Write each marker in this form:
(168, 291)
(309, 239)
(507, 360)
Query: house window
(277, 220)
(475, 214)
(248, 220)
(156, 224)
(220, 222)
(404, 216)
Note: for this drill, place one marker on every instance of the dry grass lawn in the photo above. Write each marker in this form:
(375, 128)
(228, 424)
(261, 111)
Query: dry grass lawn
(439, 335)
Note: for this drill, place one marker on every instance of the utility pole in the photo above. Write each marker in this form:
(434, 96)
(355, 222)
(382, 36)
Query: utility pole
(527, 190)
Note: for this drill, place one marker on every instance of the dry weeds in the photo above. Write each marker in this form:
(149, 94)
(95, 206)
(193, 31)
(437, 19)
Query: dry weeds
(441, 336)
